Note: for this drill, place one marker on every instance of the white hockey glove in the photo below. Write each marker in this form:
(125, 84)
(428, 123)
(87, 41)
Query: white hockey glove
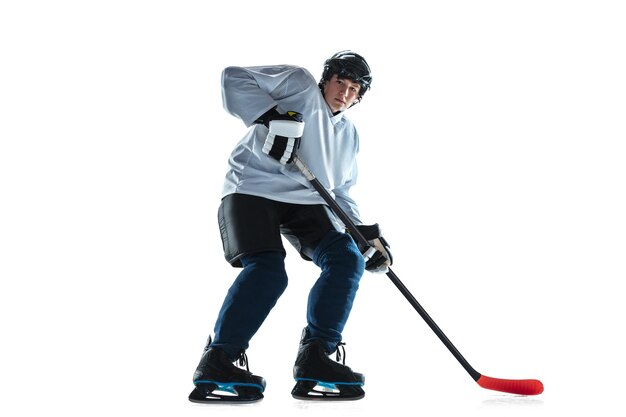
(283, 139)
(377, 256)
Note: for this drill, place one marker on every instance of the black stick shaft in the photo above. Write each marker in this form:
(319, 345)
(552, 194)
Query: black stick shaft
(392, 276)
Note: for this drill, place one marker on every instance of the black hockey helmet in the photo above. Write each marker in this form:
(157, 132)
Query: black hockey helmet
(350, 65)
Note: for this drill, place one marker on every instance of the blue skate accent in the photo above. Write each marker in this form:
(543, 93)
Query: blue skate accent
(330, 385)
(229, 386)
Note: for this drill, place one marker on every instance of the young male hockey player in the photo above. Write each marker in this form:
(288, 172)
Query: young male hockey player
(266, 196)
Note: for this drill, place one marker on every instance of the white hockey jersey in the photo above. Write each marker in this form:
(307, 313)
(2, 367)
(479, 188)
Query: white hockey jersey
(329, 143)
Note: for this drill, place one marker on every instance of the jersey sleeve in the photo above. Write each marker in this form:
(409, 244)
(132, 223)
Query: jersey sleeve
(249, 92)
(344, 200)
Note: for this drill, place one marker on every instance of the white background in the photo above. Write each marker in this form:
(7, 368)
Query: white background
(492, 156)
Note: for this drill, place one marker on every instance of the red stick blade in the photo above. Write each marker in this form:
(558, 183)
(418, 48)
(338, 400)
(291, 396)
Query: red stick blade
(512, 386)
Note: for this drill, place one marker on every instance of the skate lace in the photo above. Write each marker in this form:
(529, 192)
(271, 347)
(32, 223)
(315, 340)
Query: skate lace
(243, 360)
(339, 357)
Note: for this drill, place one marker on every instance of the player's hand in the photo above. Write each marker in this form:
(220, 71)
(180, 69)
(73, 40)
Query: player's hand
(377, 256)
(283, 138)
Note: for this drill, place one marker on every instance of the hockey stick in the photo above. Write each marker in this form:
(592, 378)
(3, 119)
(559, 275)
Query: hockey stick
(512, 386)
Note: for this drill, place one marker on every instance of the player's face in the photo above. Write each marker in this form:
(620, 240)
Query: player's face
(340, 93)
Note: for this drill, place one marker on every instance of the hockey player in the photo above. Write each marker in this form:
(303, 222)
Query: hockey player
(264, 197)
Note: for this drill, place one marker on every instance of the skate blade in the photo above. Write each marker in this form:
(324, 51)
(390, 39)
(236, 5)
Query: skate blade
(312, 390)
(207, 393)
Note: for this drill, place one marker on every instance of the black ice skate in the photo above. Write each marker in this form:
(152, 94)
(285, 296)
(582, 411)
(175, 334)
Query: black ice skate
(320, 378)
(217, 379)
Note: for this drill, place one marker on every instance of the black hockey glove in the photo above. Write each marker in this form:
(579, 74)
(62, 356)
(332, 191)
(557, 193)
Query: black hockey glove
(285, 132)
(377, 256)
